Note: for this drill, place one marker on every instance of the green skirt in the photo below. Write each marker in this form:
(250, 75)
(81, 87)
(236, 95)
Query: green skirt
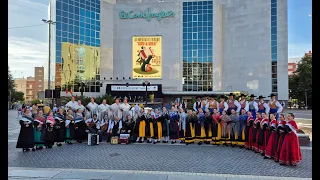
(37, 138)
(68, 136)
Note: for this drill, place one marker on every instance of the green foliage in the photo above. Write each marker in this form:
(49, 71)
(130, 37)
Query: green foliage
(300, 83)
(36, 101)
(11, 85)
(17, 96)
(110, 99)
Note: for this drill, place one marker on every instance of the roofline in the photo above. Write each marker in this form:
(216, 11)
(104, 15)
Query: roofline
(194, 93)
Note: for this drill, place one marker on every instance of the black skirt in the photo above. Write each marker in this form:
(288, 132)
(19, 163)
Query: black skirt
(80, 131)
(174, 130)
(60, 133)
(197, 129)
(26, 137)
(155, 129)
(214, 129)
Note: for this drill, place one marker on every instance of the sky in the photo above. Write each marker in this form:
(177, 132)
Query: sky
(28, 47)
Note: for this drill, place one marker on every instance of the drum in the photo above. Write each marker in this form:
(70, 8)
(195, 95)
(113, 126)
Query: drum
(114, 140)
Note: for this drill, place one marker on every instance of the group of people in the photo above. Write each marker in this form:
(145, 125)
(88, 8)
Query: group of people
(250, 124)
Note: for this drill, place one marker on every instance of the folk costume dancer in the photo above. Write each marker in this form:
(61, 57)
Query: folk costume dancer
(243, 123)
(70, 127)
(26, 135)
(249, 144)
(50, 133)
(244, 104)
(174, 125)
(226, 128)
(115, 126)
(39, 128)
(199, 127)
(216, 127)
(262, 106)
(125, 106)
(256, 132)
(212, 104)
(128, 126)
(272, 144)
(204, 105)
(197, 104)
(235, 127)
(93, 107)
(72, 105)
(149, 127)
(102, 108)
(253, 106)
(223, 105)
(115, 107)
(274, 105)
(182, 125)
(80, 126)
(165, 125)
(157, 126)
(97, 126)
(142, 126)
(290, 153)
(189, 131)
(208, 127)
(233, 104)
(60, 127)
(281, 134)
(82, 108)
(264, 134)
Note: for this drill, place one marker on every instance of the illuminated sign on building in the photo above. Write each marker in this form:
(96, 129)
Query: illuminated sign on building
(148, 15)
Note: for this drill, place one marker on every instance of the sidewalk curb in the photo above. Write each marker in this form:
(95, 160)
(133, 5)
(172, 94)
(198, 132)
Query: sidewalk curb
(57, 171)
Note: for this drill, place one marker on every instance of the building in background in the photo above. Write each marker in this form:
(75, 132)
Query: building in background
(39, 81)
(291, 68)
(205, 45)
(21, 85)
(30, 89)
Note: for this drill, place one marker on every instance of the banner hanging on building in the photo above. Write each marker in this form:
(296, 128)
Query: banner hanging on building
(147, 57)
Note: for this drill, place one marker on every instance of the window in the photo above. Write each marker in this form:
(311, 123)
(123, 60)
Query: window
(39, 86)
(30, 86)
(195, 18)
(274, 69)
(195, 36)
(194, 53)
(274, 81)
(274, 88)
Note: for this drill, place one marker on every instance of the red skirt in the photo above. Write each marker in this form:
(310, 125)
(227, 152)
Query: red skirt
(262, 148)
(290, 153)
(271, 148)
(256, 143)
(249, 144)
(279, 145)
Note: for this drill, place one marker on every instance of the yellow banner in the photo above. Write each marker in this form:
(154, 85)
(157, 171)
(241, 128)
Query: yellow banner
(147, 57)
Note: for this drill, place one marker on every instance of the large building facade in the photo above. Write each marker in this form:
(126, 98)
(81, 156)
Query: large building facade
(190, 45)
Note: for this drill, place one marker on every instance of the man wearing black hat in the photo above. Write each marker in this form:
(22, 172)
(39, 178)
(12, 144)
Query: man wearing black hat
(253, 106)
(243, 103)
(233, 104)
(197, 104)
(262, 106)
(223, 105)
(274, 105)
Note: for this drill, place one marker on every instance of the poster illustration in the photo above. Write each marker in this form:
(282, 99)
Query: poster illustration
(147, 57)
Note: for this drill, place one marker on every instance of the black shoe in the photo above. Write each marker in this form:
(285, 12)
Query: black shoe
(265, 157)
(149, 141)
(158, 141)
(140, 141)
(79, 141)
(27, 149)
(49, 147)
(59, 144)
(154, 142)
(24, 149)
(172, 142)
(40, 148)
(163, 141)
(199, 143)
(187, 143)
(282, 164)
(33, 149)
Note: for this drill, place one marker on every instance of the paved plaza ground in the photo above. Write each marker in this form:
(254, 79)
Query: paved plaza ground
(159, 160)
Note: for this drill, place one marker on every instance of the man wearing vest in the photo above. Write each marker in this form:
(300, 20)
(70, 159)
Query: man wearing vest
(197, 104)
(244, 103)
(233, 104)
(253, 106)
(212, 104)
(262, 106)
(274, 105)
(223, 106)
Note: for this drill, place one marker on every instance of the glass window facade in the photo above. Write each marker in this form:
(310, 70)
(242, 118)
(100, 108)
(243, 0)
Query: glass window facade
(78, 45)
(197, 45)
(274, 46)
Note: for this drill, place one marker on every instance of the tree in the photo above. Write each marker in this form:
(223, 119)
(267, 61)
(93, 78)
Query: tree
(11, 85)
(300, 83)
(17, 96)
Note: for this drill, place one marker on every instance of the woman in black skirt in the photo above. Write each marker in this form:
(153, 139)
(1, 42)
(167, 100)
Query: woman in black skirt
(60, 127)
(26, 135)
(80, 126)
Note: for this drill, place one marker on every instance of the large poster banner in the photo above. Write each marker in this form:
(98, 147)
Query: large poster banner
(147, 57)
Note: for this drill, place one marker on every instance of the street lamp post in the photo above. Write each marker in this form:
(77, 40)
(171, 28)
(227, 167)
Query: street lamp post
(146, 83)
(50, 22)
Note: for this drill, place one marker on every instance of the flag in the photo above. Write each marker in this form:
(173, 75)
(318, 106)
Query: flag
(71, 91)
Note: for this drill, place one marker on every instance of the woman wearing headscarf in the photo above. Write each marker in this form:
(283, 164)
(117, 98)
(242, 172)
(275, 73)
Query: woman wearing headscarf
(26, 135)
(149, 126)
(60, 127)
(39, 128)
(50, 133)
(280, 135)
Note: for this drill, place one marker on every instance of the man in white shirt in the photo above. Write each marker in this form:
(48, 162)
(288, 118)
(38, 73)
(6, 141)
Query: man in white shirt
(274, 105)
(92, 106)
(244, 103)
(115, 108)
(125, 106)
(223, 105)
(253, 106)
(102, 108)
(197, 104)
(72, 104)
(262, 106)
(233, 104)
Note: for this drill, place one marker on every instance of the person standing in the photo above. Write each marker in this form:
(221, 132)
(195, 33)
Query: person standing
(290, 153)
(226, 128)
(149, 126)
(249, 132)
(60, 127)
(264, 134)
(115, 107)
(93, 107)
(274, 105)
(199, 127)
(223, 105)
(234, 127)
(253, 106)
(197, 104)
(174, 125)
(212, 104)
(262, 106)
(102, 108)
(216, 127)
(272, 144)
(72, 104)
(39, 128)
(157, 126)
(125, 106)
(70, 127)
(26, 135)
(189, 131)
(50, 133)
(80, 126)
(244, 103)
(182, 125)
(165, 124)
(242, 127)
(280, 134)
(233, 104)
(141, 126)
(256, 132)
(208, 127)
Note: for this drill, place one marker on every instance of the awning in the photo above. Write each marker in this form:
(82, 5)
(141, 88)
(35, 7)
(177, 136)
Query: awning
(196, 93)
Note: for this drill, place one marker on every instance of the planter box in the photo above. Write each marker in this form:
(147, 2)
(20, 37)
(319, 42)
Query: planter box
(304, 139)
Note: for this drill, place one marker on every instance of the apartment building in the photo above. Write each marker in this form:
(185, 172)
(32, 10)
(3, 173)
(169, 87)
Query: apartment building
(21, 85)
(39, 81)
